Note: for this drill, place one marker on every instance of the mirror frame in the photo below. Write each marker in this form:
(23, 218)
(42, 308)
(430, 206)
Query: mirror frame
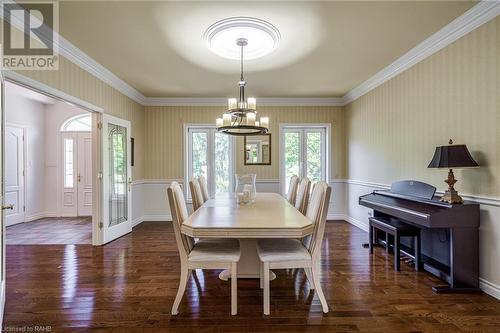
(245, 152)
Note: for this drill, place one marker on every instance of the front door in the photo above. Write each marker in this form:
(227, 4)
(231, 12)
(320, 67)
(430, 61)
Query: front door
(117, 177)
(77, 173)
(84, 173)
(14, 174)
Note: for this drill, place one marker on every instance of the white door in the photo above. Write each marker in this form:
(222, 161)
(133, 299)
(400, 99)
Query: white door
(77, 173)
(84, 174)
(117, 177)
(303, 153)
(209, 154)
(14, 174)
(69, 184)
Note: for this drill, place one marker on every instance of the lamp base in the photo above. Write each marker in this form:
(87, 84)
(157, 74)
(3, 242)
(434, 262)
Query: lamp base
(451, 196)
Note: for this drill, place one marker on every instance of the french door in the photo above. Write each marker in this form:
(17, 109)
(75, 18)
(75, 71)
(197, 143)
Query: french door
(303, 153)
(209, 154)
(117, 178)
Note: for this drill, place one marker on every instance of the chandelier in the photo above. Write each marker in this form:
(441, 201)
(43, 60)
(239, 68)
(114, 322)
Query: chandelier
(241, 116)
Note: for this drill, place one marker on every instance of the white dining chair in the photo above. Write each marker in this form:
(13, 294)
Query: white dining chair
(293, 253)
(203, 254)
(204, 188)
(196, 193)
(292, 190)
(303, 195)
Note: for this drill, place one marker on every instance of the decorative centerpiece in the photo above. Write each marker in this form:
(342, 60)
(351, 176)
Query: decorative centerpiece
(245, 189)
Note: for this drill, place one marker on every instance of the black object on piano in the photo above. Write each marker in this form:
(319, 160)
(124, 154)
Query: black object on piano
(450, 232)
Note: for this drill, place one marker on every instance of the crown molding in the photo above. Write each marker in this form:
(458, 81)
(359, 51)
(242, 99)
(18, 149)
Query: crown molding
(81, 59)
(222, 101)
(478, 15)
(84, 61)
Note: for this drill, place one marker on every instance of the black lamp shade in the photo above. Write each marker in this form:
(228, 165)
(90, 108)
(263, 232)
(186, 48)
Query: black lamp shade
(452, 156)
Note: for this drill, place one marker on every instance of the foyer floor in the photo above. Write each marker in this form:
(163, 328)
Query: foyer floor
(62, 230)
(129, 286)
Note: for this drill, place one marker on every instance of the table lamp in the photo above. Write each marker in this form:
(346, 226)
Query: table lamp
(452, 156)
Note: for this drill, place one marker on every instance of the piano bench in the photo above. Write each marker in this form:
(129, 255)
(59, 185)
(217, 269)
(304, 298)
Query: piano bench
(397, 229)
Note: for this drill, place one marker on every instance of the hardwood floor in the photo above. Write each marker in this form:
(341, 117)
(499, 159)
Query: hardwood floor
(61, 230)
(129, 286)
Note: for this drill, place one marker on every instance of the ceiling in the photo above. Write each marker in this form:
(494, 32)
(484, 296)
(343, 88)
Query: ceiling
(14, 89)
(326, 48)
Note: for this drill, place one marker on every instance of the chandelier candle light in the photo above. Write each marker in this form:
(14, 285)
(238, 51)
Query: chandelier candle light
(241, 117)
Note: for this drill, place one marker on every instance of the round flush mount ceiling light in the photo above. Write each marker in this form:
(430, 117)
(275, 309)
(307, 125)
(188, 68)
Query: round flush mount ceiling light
(263, 37)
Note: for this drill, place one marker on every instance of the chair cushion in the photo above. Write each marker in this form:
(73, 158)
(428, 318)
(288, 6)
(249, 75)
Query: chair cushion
(275, 250)
(216, 249)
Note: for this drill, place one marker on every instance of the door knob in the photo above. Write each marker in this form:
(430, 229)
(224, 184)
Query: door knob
(11, 206)
(79, 178)
(129, 184)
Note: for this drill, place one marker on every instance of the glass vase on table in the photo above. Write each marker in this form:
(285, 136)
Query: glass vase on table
(245, 189)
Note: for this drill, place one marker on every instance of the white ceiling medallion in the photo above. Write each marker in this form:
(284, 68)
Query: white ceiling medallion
(263, 37)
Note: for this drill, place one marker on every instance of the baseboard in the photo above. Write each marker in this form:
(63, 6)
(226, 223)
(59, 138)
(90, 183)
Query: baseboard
(137, 221)
(152, 218)
(350, 220)
(330, 217)
(489, 288)
(2, 304)
(37, 216)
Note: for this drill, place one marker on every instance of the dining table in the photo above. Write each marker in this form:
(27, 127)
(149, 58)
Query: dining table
(270, 216)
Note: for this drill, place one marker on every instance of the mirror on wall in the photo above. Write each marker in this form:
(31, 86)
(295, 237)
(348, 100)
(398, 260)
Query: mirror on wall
(257, 149)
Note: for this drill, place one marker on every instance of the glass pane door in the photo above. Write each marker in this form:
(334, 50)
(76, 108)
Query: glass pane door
(291, 156)
(222, 161)
(199, 154)
(118, 176)
(210, 155)
(304, 153)
(315, 160)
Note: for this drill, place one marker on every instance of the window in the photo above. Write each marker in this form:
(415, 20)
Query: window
(68, 163)
(304, 152)
(80, 123)
(209, 154)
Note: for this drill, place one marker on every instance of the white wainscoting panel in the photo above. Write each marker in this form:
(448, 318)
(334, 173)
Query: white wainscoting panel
(149, 199)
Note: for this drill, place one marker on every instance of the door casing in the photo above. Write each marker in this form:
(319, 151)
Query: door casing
(96, 113)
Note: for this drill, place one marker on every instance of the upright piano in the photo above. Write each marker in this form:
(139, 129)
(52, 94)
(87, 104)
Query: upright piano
(450, 232)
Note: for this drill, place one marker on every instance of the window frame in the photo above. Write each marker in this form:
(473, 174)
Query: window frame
(67, 122)
(210, 129)
(304, 128)
(65, 162)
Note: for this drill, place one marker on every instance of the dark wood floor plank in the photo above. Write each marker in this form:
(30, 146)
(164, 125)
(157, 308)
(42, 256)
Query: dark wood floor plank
(129, 286)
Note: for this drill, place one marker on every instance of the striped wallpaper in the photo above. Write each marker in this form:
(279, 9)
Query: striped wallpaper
(393, 130)
(164, 137)
(77, 82)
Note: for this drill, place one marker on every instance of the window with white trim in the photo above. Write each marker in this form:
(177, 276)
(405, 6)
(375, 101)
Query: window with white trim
(209, 154)
(80, 123)
(304, 152)
(69, 161)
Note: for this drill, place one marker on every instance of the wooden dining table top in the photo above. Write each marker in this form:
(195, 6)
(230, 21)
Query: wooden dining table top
(271, 216)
